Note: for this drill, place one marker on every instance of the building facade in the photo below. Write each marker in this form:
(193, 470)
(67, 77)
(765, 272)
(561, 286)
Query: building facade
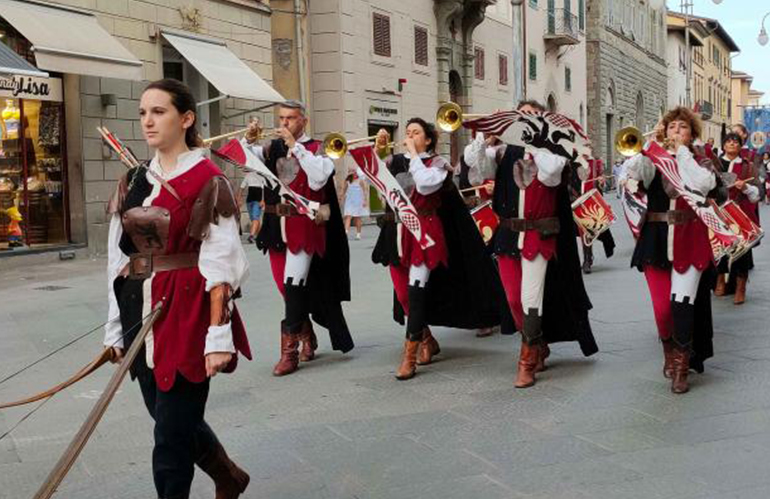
(90, 61)
(555, 56)
(627, 73)
(712, 78)
(676, 56)
(375, 64)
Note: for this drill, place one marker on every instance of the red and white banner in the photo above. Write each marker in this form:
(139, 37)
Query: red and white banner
(387, 185)
(234, 152)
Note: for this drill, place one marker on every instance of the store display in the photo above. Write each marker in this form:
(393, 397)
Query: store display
(49, 125)
(11, 120)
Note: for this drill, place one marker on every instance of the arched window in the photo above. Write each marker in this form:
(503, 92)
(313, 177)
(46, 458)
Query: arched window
(552, 104)
(640, 111)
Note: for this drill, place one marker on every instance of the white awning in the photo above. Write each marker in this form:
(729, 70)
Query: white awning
(70, 41)
(230, 75)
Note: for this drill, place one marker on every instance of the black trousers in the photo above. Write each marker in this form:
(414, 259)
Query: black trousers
(182, 436)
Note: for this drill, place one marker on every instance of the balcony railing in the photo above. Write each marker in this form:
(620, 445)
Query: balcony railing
(562, 27)
(706, 109)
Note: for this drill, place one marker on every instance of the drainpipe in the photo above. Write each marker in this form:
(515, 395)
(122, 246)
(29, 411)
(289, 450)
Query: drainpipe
(300, 51)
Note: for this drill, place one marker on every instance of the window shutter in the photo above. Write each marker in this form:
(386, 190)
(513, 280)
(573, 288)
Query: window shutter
(381, 34)
(503, 68)
(532, 67)
(479, 63)
(568, 79)
(420, 46)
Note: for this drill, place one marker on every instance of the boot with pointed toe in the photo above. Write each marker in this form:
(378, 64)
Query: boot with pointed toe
(429, 347)
(408, 367)
(528, 360)
(668, 359)
(681, 365)
(545, 352)
(230, 481)
(740, 291)
(719, 290)
(309, 342)
(289, 361)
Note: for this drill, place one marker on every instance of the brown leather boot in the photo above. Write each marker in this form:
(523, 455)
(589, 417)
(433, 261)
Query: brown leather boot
(668, 358)
(289, 355)
(720, 288)
(428, 348)
(740, 291)
(528, 360)
(681, 364)
(408, 367)
(230, 480)
(545, 352)
(309, 342)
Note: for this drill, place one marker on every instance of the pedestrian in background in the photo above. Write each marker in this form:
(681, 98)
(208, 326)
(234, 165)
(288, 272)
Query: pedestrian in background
(617, 171)
(356, 201)
(252, 184)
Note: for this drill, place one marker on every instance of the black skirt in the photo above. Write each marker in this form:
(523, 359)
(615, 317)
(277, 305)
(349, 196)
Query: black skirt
(652, 247)
(386, 248)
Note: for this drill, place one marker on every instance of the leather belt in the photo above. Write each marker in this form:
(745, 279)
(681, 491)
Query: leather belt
(545, 226)
(142, 265)
(281, 210)
(671, 217)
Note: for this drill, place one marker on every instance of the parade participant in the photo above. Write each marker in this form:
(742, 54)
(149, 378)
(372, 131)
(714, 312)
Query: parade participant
(356, 197)
(252, 184)
(174, 239)
(309, 259)
(452, 283)
(673, 249)
(745, 193)
(765, 168)
(546, 294)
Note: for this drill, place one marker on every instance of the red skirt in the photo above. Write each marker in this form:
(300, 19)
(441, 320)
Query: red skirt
(303, 234)
(692, 247)
(413, 255)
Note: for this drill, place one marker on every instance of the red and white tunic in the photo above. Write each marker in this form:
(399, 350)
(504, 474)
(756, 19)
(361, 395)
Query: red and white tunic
(182, 336)
(538, 201)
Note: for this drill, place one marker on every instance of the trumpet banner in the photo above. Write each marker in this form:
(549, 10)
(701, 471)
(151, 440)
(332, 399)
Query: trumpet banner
(552, 132)
(235, 153)
(723, 238)
(387, 185)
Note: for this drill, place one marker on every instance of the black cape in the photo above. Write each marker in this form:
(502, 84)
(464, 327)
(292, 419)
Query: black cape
(329, 278)
(467, 293)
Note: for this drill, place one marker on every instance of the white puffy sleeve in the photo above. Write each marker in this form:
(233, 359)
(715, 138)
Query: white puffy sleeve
(639, 168)
(694, 175)
(317, 168)
(258, 150)
(222, 261)
(549, 167)
(116, 260)
(428, 180)
(751, 192)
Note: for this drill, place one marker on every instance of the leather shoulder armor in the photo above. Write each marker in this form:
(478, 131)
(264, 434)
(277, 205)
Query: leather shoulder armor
(215, 199)
(118, 198)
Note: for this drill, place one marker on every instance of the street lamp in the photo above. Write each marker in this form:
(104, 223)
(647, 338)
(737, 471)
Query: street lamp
(763, 38)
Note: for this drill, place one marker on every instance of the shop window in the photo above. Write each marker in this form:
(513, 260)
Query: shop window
(502, 62)
(532, 66)
(32, 174)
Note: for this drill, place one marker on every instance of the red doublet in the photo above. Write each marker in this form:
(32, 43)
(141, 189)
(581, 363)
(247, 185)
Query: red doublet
(179, 335)
(412, 253)
(692, 247)
(539, 202)
(303, 234)
(743, 170)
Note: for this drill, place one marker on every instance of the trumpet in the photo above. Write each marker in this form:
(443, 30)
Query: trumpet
(335, 144)
(211, 140)
(450, 116)
(629, 141)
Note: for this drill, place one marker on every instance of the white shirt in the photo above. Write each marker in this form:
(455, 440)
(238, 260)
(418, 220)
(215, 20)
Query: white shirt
(317, 168)
(427, 180)
(222, 259)
(252, 180)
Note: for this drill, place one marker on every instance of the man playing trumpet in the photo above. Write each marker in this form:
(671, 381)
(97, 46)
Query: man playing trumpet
(309, 258)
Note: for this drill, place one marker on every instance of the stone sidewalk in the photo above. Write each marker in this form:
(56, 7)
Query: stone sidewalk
(344, 428)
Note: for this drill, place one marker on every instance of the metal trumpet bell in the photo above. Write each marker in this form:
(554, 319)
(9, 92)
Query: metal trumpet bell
(335, 145)
(629, 141)
(449, 117)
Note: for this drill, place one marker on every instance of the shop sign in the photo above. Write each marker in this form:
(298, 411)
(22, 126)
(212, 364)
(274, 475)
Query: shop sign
(379, 111)
(30, 87)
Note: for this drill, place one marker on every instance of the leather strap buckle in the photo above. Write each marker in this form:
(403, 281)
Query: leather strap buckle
(284, 210)
(140, 266)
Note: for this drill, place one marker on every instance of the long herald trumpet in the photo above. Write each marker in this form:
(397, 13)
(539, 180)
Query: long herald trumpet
(629, 141)
(211, 140)
(335, 144)
(450, 116)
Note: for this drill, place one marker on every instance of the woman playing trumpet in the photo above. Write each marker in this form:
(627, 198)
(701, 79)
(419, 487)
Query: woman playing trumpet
(450, 283)
(673, 248)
